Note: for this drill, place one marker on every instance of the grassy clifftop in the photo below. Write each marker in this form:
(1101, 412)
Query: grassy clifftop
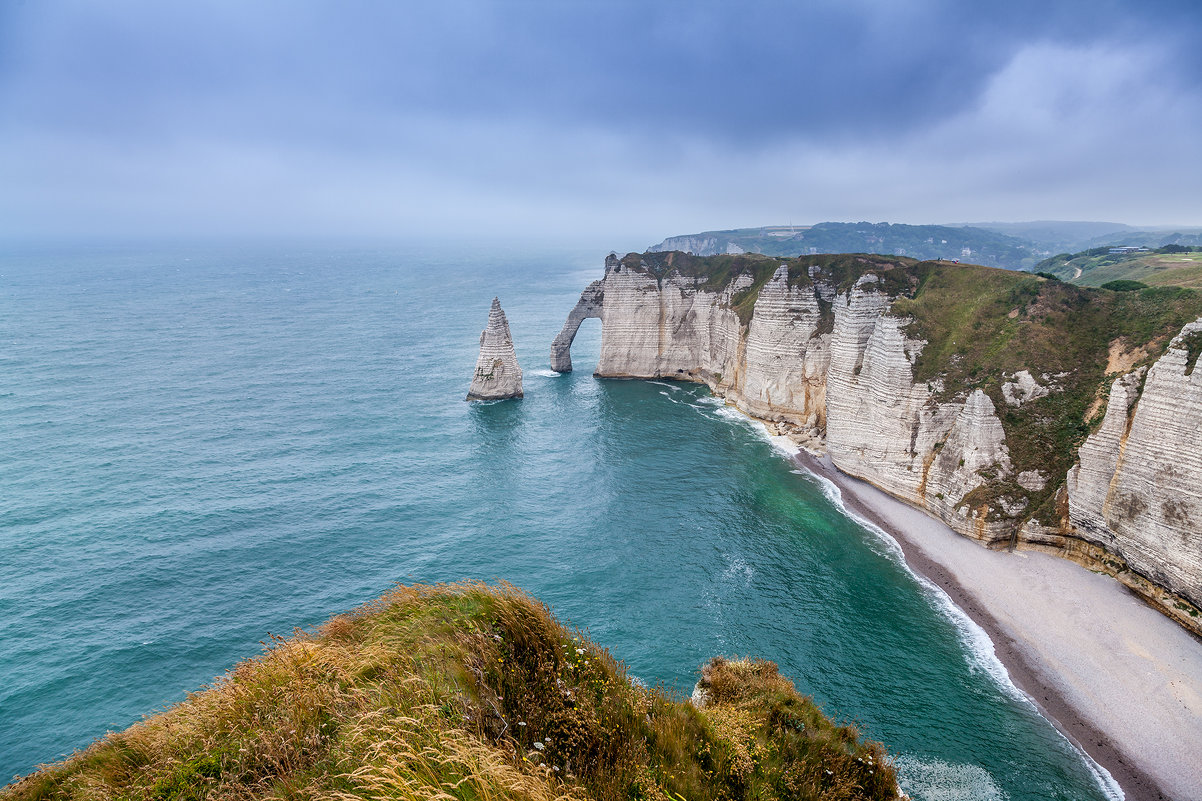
(469, 692)
(1167, 266)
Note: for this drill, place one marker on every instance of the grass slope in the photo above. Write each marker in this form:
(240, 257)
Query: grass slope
(1099, 266)
(715, 273)
(469, 692)
(984, 325)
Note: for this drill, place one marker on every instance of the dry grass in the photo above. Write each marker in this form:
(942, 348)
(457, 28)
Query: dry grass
(468, 692)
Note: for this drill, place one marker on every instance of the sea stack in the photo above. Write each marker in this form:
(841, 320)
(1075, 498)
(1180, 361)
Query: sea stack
(497, 373)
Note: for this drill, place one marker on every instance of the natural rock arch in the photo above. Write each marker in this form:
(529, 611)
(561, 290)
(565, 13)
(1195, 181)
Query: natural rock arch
(590, 305)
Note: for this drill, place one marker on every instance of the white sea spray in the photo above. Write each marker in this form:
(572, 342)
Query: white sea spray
(937, 780)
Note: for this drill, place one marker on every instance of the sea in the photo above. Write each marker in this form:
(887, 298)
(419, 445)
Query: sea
(202, 445)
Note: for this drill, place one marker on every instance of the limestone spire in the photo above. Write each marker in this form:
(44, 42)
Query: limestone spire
(497, 373)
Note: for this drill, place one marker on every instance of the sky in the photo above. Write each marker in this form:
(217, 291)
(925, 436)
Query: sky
(630, 120)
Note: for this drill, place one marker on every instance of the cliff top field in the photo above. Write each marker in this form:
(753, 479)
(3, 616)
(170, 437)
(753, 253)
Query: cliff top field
(1173, 265)
(470, 692)
(982, 325)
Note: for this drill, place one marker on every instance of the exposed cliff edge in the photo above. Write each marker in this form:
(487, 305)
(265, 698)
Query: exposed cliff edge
(1023, 412)
(497, 373)
(470, 692)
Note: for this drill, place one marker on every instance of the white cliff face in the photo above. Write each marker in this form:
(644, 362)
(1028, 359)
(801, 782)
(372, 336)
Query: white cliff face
(886, 429)
(853, 385)
(698, 245)
(497, 373)
(673, 330)
(786, 358)
(590, 305)
(1137, 489)
(843, 379)
(1098, 460)
(874, 411)
(975, 447)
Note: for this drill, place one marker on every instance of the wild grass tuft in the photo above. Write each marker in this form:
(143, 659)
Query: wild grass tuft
(469, 692)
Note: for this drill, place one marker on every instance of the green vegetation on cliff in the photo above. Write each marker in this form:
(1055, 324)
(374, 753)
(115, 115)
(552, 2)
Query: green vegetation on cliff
(983, 325)
(716, 273)
(1171, 265)
(476, 693)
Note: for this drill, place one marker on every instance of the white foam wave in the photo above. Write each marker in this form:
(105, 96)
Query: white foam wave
(738, 571)
(545, 373)
(782, 445)
(936, 780)
(982, 654)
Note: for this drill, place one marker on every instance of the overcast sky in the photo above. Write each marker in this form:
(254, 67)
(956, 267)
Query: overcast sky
(602, 119)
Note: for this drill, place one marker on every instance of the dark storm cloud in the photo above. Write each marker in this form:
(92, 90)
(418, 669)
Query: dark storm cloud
(375, 116)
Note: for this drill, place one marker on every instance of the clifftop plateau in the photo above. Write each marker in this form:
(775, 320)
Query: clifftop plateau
(1022, 411)
(470, 692)
(1171, 265)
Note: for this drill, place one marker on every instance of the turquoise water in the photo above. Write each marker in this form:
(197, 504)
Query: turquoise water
(202, 446)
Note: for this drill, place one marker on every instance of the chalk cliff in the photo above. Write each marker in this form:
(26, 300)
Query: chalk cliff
(1136, 490)
(497, 373)
(979, 418)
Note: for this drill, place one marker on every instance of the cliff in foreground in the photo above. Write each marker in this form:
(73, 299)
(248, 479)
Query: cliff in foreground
(470, 692)
(1023, 412)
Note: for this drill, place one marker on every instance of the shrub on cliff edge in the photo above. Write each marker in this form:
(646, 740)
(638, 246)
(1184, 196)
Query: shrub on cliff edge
(469, 692)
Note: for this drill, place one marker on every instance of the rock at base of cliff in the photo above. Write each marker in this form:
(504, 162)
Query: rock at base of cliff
(497, 373)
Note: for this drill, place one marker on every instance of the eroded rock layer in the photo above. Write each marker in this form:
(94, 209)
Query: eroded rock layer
(826, 356)
(497, 373)
(1137, 487)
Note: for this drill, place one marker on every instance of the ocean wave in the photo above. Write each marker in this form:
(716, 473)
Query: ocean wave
(545, 373)
(738, 571)
(782, 445)
(936, 780)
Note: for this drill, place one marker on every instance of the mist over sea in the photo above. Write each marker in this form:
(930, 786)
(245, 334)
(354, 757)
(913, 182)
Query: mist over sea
(201, 445)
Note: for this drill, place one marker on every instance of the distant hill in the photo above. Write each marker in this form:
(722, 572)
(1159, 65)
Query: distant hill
(1059, 236)
(976, 245)
(1015, 246)
(1171, 265)
(1073, 237)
